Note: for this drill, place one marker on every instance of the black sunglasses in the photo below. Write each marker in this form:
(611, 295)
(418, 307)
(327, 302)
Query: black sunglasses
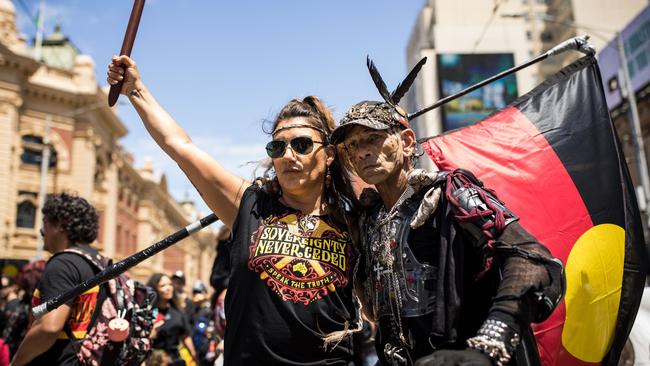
(300, 145)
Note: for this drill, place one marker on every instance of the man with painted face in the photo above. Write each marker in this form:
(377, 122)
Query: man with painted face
(447, 271)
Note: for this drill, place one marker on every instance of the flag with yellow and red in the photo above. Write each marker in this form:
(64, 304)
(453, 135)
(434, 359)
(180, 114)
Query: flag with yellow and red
(554, 159)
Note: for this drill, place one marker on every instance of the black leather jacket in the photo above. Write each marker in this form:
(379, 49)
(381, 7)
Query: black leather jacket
(447, 287)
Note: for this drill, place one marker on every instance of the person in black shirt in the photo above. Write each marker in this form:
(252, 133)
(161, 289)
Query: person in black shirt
(291, 255)
(171, 327)
(185, 304)
(17, 310)
(68, 222)
(219, 278)
(448, 273)
(12, 313)
(220, 274)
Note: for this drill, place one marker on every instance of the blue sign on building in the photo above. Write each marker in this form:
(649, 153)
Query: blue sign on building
(636, 39)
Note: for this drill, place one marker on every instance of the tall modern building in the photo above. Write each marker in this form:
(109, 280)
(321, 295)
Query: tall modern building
(56, 103)
(468, 41)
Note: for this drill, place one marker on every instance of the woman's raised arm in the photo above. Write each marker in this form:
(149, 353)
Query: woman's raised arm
(220, 189)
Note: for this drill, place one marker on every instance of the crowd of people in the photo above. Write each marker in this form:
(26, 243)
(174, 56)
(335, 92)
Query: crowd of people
(184, 329)
(419, 268)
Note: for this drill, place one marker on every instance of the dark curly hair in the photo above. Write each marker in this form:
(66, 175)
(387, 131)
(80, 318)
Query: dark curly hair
(77, 217)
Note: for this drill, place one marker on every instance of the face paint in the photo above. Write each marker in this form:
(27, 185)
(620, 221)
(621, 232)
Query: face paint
(377, 161)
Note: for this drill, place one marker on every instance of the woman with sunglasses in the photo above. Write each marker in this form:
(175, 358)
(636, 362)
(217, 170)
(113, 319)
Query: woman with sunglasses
(292, 258)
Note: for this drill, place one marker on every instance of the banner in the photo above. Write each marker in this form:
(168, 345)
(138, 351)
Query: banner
(459, 71)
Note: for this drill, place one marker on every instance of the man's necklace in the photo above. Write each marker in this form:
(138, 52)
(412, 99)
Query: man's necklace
(383, 243)
(383, 218)
(383, 231)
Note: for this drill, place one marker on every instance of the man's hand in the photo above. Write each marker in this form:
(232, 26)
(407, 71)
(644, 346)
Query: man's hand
(466, 357)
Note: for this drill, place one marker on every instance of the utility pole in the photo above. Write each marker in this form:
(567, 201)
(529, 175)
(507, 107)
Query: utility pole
(45, 164)
(628, 92)
(45, 157)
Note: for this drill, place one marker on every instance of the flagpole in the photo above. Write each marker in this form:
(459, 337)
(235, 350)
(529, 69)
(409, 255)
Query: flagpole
(40, 21)
(627, 92)
(580, 44)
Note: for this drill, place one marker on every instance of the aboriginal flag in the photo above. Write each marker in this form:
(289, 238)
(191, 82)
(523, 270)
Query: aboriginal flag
(554, 159)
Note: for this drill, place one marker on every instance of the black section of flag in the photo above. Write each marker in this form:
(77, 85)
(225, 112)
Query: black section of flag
(573, 107)
(566, 106)
(569, 111)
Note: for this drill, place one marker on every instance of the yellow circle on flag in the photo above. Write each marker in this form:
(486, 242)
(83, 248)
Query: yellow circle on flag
(594, 275)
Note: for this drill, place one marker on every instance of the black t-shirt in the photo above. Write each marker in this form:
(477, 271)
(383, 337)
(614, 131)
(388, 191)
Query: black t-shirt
(174, 327)
(290, 284)
(12, 332)
(61, 273)
(221, 266)
(189, 309)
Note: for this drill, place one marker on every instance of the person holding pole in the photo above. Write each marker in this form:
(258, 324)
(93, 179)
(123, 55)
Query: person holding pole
(291, 253)
(447, 272)
(69, 222)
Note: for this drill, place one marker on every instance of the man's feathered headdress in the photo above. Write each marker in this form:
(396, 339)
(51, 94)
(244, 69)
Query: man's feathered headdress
(403, 87)
(379, 115)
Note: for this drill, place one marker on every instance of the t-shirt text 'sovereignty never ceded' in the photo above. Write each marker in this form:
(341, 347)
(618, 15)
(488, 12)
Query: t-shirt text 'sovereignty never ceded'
(280, 241)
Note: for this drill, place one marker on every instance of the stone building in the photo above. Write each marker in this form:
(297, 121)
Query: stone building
(58, 102)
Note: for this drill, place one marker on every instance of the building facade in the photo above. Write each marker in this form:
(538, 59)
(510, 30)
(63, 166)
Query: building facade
(517, 30)
(58, 103)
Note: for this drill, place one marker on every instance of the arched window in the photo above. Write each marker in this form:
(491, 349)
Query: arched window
(33, 151)
(25, 214)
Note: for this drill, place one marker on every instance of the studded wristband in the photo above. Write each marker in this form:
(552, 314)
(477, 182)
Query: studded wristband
(497, 340)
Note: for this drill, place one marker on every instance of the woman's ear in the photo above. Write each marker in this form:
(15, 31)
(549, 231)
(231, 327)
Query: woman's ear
(330, 150)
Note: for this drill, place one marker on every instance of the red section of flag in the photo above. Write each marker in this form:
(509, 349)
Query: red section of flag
(555, 160)
(519, 157)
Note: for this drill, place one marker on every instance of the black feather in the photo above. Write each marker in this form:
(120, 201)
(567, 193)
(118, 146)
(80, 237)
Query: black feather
(405, 85)
(379, 82)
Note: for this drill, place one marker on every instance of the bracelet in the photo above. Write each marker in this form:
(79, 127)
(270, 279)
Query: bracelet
(497, 340)
(134, 93)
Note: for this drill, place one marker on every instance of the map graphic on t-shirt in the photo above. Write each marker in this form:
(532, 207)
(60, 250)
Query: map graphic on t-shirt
(80, 316)
(300, 257)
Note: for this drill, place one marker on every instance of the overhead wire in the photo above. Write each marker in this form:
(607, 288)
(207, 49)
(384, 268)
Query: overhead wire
(497, 4)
